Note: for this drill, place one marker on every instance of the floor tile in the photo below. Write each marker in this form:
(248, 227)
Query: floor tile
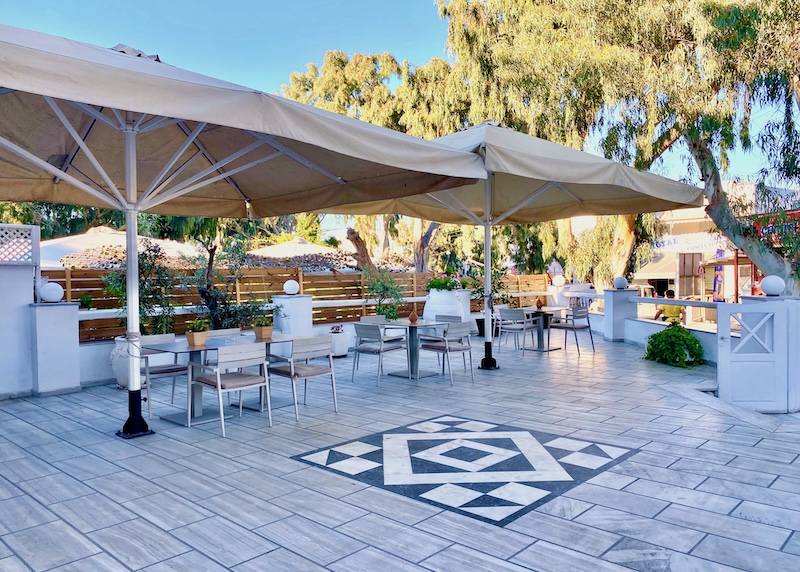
(224, 541)
(314, 541)
(49, 545)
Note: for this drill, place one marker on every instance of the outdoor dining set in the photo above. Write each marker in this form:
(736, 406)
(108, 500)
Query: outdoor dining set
(232, 361)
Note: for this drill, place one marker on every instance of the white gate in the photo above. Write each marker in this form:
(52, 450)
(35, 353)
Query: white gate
(752, 370)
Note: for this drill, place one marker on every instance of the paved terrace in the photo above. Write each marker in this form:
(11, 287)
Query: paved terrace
(624, 465)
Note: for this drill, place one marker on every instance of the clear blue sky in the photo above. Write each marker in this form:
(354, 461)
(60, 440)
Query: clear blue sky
(259, 43)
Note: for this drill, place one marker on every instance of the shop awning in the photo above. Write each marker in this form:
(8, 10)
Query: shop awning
(664, 266)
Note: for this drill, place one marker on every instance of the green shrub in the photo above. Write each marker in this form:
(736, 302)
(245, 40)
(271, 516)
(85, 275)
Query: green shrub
(675, 346)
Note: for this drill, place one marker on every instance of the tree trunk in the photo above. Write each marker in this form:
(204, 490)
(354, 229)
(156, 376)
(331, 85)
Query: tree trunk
(361, 255)
(385, 245)
(622, 247)
(742, 236)
(422, 245)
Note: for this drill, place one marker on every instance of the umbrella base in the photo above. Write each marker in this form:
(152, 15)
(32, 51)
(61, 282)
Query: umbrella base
(488, 362)
(135, 426)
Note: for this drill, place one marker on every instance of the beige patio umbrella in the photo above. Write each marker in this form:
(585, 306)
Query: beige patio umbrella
(85, 125)
(532, 180)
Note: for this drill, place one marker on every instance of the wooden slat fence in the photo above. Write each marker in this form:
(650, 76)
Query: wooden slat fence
(259, 284)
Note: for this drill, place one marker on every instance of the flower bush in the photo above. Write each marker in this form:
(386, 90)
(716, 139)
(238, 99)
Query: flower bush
(445, 282)
(337, 329)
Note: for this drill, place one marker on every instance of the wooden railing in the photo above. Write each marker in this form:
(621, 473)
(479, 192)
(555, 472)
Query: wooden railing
(260, 284)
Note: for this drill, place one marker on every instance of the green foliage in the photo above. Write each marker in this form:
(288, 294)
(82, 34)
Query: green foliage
(268, 317)
(386, 291)
(446, 282)
(332, 241)
(674, 346)
(87, 301)
(387, 310)
(199, 325)
(309, 227)
(525, 246)
(217, 288)
(156, 283)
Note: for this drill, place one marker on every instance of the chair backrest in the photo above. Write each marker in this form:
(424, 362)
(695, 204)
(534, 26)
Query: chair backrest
(241, 355)
(448, 318)
(376, 319)
(157, 339)
(368, 331)
(225, 332)
(458, 330)
(514, 314)
(580, 313)
(311, 347)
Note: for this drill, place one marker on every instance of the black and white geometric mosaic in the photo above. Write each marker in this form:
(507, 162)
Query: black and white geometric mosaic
(495, 473)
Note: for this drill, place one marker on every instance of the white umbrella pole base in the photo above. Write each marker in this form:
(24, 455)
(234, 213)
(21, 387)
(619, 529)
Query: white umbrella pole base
(135, 426)
(488, 362)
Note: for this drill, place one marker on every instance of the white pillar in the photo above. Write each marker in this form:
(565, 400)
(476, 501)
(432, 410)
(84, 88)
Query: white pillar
(618, 308)
(16, 293)
(54, 347)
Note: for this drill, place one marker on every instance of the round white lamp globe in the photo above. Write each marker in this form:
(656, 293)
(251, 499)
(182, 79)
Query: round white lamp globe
(773, 285)
(291, 287)
(559, 280)
(51, 292)
(620, 283)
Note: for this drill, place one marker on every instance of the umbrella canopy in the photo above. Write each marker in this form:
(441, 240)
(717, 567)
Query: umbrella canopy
(85, 125)
(533, 180)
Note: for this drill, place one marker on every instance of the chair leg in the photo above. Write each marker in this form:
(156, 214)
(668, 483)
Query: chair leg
(172, 399)
(333, 386)
(380, 369)
(269, 403)
(294, 397)
(353, 375)
(471, 369)
(449, 366)
(577, 345)
(591, 338)
(305, 390)
(189, 397)
(221, 412)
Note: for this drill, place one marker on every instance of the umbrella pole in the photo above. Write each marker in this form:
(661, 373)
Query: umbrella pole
(488, 362)
(135, 426)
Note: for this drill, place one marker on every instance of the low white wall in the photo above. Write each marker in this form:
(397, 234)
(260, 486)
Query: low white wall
(16, 295)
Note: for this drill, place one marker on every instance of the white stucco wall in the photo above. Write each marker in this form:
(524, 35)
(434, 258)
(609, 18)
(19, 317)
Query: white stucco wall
(16, 295)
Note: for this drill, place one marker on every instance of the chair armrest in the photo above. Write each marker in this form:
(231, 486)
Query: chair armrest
(201, 366)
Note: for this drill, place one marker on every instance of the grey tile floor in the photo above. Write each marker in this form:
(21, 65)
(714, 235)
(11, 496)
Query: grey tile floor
(711, 487)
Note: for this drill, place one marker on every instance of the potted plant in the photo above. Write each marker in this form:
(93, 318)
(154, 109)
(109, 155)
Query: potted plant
(446, 296)
(263, 326)
(197, 332)
(340, 341)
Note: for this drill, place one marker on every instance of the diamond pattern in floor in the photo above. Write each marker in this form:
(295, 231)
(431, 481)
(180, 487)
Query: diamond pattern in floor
(495, 473)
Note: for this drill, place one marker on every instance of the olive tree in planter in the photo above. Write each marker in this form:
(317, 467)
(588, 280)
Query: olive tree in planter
(386, 292)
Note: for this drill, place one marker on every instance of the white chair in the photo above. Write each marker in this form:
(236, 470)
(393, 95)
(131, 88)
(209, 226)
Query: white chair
(516, 321)
(223, 380)
(153, 371)
(370, 340)
(298, 366)
(569, 323)
(455, 340)
(389, 334)
(224, 333)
